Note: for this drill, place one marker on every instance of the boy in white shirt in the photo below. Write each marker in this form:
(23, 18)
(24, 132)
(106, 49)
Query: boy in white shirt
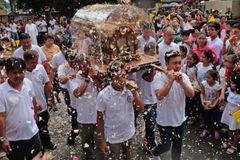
(146, 37)
(115, 116)
(170, 90)
(19, 135)
(66, 72)
(84, 88)
(214, 42)
(43, 91)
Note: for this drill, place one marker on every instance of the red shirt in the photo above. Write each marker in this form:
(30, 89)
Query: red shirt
(199, 52)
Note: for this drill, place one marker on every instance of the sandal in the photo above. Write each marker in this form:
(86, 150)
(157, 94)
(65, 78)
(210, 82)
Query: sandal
(231, 150)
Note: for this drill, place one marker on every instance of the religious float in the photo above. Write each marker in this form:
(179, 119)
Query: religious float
(108, 32)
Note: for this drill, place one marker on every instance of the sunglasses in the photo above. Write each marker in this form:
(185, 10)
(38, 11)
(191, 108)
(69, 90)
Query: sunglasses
(172, 54)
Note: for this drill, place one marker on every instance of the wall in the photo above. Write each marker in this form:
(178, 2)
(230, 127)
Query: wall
(223, 5)
(236, 9)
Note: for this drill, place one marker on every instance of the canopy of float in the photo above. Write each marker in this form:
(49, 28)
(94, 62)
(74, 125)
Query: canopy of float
(107, 18)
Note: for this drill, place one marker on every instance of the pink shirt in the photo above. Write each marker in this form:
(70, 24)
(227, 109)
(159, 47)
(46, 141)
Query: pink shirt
(199, 52)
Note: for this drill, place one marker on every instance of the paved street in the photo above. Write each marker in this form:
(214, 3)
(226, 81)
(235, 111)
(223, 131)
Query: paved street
(194, 148)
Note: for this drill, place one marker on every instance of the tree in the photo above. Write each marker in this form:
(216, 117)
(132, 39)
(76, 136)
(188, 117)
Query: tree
(65, 7)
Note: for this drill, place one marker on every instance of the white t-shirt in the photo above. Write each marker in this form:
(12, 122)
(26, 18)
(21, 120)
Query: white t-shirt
(117, 107)
(18, 106)
(201, 71)
(190, 72)
(221, 72)
(52, 22)
(39, 78)
(65, 70)
(211, 91)
(171, 109)
(163, 48)
(86, 104)
(147, 93)
(52, 31)
(143, 42)
(57, 60)
(18, 53)
(42, 26)
(216, 45)
(187, 26)
(13, 27)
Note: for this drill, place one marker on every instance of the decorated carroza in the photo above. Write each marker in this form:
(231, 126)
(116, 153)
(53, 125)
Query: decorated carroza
(108, 32)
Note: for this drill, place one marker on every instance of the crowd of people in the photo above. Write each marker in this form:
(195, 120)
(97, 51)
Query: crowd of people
(198, 52)
(36, 27)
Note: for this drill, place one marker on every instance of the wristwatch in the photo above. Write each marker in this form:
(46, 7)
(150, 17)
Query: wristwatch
(2, 139)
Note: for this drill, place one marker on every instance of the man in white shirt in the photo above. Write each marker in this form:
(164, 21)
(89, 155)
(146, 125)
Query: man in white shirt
(186, 23)
(42, 29)
(115, 116)
(144, 80)
(170, 90)
(146, 37)
(13, 27)
(18, 130)
(84, 88)
(57, 60)
(214, 42)
(66, 73)
(167, 44)
(233, 42)
(31, 29)
(43, 93)
(52, 21)
(25, 41)
(41, 25)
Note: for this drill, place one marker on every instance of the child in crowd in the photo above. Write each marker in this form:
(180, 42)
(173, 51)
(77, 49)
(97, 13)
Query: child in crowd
(210, 91)
(205, 65)
(183, 52)
(192, 104)
(233, 104)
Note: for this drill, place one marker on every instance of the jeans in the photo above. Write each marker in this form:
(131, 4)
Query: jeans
(25, 148)
(170, 136)
(150, 120)
(15, 36)
(42, 124)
